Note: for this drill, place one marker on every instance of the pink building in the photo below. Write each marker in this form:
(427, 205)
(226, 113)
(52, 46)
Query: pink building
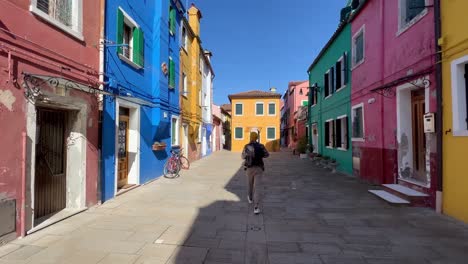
(294, 97)
(49, 111)
(394, 86)
(216, 136)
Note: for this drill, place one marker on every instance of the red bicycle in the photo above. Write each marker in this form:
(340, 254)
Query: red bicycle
(175, 163)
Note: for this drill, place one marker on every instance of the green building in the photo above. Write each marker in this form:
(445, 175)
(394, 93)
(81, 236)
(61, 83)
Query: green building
(329, 99)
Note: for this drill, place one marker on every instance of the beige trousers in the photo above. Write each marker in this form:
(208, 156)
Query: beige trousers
(255, 180)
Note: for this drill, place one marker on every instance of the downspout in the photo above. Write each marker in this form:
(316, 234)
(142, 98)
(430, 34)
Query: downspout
(382, 76)
(102, 48)
(23, 185)
(439, 117)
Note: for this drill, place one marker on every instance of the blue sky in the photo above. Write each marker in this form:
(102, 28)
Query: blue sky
(257, 43)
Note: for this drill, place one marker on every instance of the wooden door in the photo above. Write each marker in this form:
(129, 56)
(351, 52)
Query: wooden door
(419, 138)
(50, 168)
(122, 135)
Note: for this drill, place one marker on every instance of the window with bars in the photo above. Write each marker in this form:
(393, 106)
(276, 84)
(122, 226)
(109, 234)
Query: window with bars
(271, 133)
(358, 47)
(259, 109)
(357, 115)
(130, 39)
(410, 10)
(239, 133)
(272, 109)
(341, 132)
(60, 10)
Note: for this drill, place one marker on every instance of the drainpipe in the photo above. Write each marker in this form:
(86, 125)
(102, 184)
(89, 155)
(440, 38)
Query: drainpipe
(439, 117)
(23, 185)
(382, 77)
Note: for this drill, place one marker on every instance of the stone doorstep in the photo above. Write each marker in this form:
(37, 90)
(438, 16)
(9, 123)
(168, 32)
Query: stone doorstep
(390, 198)
(416, 198)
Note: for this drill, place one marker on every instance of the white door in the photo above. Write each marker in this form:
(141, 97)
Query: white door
(315, 137)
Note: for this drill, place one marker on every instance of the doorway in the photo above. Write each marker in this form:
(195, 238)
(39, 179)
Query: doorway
(185, 138)
(50, 166)
(122, 138)
(419, 139)
(315, 138)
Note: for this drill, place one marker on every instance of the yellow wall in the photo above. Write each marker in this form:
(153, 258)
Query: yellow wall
(249, 121)
(454, 45)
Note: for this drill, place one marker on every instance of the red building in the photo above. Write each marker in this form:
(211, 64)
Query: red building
(49, 111)
(394, 87)
(294, 98)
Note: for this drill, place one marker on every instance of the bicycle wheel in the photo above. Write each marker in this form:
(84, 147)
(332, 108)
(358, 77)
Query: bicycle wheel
(184, 163)
(171, 169)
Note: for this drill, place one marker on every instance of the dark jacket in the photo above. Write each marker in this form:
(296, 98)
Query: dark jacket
(260, 154)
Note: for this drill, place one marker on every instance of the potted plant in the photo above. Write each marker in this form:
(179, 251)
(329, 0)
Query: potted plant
(301, 147)
(158, 146)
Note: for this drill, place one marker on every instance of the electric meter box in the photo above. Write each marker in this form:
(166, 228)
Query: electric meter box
(429, 123)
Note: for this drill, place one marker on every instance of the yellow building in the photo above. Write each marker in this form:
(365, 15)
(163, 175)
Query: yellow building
(257, 111)
(190, 84)
(454, 45)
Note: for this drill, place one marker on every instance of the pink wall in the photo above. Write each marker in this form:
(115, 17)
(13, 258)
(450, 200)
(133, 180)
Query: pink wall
(292, 104)
(389, 55)
(218, 125)
(37, 47)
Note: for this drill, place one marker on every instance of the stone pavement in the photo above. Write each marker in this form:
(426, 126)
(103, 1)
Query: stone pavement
(309, 216)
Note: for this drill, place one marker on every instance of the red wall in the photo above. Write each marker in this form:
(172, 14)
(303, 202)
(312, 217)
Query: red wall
(40, 48)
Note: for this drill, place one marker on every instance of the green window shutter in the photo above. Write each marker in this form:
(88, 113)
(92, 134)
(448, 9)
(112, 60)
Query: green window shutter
(171, 73)
(305, 103)
(120, 24)
(239, 133)
(259, 109)
(138, 47)
(172, 20)
(272, 109)
(271, 133)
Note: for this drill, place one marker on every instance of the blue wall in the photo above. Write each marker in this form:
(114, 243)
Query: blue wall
(149, 84)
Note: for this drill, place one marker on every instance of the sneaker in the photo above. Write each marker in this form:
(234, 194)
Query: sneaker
(256, 210)
(249, 199)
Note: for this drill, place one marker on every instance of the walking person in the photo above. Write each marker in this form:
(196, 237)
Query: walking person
(253, 154)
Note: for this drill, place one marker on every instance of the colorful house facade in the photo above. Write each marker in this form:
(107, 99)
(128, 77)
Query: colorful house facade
(255, 111)
(49, 110)
(294, 98)
(329, 100)
(226, 118)
(393, 91)
(206, 102)
(453, 42)
(141, 54)
(216, 137)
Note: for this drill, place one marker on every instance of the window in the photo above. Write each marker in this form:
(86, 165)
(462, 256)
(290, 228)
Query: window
(272, 109)
(184, 38)
(171, 73)
(341, 73)
(410, 12)
(239, 133)
(329, 133)
(331, 85)
(460, 96)
(259, 109)
(239, 109)
(271, 133)
(175, 131)
(358, 47)
(341, 132)
(131, 39)
(357, 115)
(314, 94)
(172, 20)
(184, 85)
(65, 14)
(326, 82)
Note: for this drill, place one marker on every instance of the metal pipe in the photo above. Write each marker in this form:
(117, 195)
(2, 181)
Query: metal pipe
(439, 81)
(23, 185)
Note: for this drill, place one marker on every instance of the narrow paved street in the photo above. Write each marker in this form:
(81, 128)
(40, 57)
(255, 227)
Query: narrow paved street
(310, 216)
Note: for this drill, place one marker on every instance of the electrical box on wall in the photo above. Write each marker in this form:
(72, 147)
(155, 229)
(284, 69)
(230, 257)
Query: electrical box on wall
(429, 123)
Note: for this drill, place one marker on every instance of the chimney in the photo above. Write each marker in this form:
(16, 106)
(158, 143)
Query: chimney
(208, 54)
(273, 89)
(194, 19)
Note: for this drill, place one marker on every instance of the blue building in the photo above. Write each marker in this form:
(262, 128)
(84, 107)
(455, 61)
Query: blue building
(141, 72)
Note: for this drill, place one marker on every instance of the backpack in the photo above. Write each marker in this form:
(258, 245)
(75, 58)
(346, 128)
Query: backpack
(249, 155)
